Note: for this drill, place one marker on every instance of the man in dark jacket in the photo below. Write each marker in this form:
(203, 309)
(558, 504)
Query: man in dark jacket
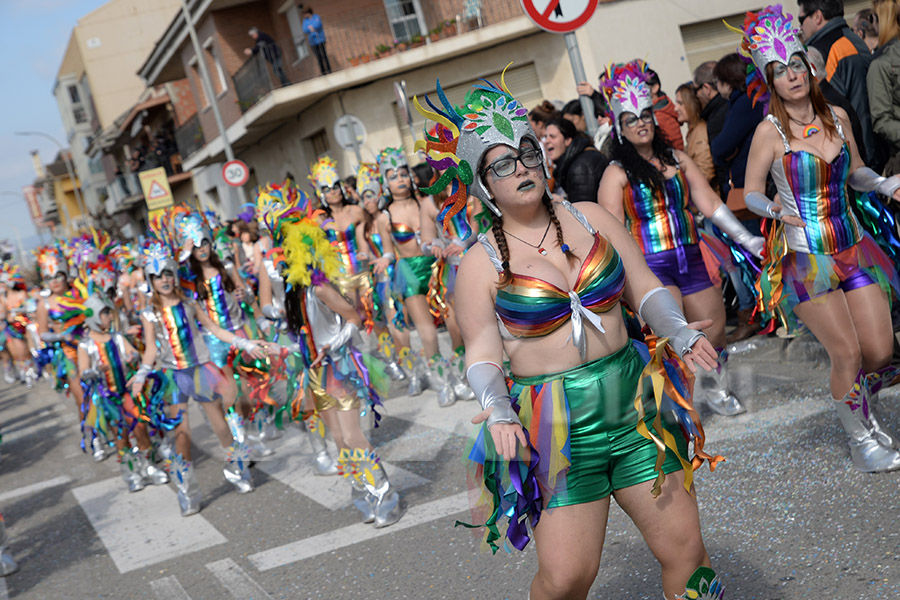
(270, 51)
(833, 97)
(847, 60)
(713, 110)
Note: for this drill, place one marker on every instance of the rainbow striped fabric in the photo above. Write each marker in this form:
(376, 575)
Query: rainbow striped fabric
(659, 220)
(345, 244)
(178, 331)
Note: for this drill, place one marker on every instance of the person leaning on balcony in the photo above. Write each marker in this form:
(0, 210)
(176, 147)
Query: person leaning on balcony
(271, 52)
(315, 34)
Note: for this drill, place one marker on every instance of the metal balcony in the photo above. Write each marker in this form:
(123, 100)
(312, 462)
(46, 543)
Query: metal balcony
(189, 137)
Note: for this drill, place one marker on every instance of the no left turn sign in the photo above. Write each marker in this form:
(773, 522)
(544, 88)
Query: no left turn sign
(559, 16)
(235, 173)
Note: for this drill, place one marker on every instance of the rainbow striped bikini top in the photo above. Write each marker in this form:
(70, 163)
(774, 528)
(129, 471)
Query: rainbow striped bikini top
(345, 243)
(659, 220)
(530, 307)
(178, 337)
(816, 191)
(376, 246)
(222, 306)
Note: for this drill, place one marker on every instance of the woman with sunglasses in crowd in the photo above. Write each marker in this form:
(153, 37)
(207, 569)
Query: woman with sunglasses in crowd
(648, 187)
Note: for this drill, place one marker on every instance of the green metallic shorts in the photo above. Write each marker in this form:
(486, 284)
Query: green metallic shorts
(412, 275)
(605, 449)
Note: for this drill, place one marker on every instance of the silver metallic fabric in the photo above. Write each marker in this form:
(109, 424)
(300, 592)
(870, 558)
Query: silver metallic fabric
(489, 385)
(661, 312)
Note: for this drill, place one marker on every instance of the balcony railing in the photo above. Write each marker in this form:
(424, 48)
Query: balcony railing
(189, 137)
(254, 80)
(125, 186)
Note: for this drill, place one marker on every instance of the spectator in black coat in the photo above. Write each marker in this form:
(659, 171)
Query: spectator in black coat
(270, 51)
(832, 96)
(713, 110)
(578, 165)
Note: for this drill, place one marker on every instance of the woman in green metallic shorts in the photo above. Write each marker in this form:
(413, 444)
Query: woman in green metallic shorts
(587, 414)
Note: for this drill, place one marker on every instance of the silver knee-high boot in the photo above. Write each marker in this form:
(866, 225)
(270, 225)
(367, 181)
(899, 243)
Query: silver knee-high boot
(99, 447)
(255, 440)
(415, 367)
(365, 467)
(237, 467)
(323, 462)
(866, 453)
(388, 352)
(130, 468)
(8, 565)
(439, 381)
(189, 494)
(150, 473)
(714, 386)
(703, 584)
(457, 377)
(875, 381)
(363, 500)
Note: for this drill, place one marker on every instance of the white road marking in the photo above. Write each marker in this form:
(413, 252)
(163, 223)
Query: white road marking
(292, 465)
(40, 486)
(360, 532)
(237, 581)
(150, 516)
(168, 588)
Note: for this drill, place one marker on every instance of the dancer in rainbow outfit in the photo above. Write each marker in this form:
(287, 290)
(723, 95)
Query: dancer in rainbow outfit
(648, 187)
(399, 235)
(324, 331)
(106, 362)
(171, 325)
(390, 337)
(821, 266)
(579, 419)
(342, 223)
(18, 327)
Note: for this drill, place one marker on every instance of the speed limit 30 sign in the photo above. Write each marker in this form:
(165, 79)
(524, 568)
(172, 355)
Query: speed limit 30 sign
(235, 172)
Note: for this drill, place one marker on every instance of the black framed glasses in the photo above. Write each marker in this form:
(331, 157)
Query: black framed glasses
(506, 166)
(632, 121)
(801, 18)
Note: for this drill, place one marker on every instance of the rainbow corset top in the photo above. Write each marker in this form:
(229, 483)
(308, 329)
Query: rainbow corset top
(402, 233)
(376, 246)
(659, 220)
(817, 193)
(222, 307)
(177, 329)
(345, 243)
(530, 307)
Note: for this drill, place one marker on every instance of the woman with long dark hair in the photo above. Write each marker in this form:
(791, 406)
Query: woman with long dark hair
(648, 187)
(577, 165)
(543, 288)
(821, 266)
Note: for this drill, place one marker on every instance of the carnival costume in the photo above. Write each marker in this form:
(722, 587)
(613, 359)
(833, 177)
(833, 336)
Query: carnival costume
(112, 407)
(412, 277)
(832, 251)
(184, 356)
(8, 564)
(368, 181)
(20, 326)
(598, 426)
(660, 222)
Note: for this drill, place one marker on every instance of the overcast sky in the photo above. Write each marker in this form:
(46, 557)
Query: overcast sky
(34, 35)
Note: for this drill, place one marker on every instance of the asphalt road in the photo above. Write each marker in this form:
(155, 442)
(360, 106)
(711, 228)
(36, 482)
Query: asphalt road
(786, 517)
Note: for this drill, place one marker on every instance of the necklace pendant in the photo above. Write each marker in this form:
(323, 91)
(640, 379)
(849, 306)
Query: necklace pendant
(542, 251)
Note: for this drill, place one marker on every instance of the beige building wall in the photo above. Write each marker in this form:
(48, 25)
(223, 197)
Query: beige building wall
(114, 41)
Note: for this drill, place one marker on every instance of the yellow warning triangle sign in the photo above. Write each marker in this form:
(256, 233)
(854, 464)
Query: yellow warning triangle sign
(156, 191)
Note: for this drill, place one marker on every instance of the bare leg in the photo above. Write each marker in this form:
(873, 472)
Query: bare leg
(216, 415)
(670, 526)
(871, 313)
(417, 308)
(334, 426)
(142, 436)
(453, 326)
(569, 542)
(351, 432)
(182, 431)
(707, 304)
(829, 319)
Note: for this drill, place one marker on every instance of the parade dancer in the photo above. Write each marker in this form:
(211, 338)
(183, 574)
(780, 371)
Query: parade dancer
(52, 319)
(821, 267)
(341, 225)
(648, 187)
(104, 361)
(447, 247)
(219, 291)
(581, 420)
(390, 337)
(14, 312)
(413, 272)
(171, 334)
(326, 326)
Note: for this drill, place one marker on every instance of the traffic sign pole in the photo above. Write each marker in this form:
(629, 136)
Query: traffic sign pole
(587, 105)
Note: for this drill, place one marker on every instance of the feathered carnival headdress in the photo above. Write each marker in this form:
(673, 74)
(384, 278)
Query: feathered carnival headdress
(768, 36)
(12, 276)
(323, 175)
(52, 261)
(157, 257)
(489, 116)
(391, 159)
(277, 202)
(368, 179)
(189, 225)
(625, 87)
(93, 306)
(93, 265)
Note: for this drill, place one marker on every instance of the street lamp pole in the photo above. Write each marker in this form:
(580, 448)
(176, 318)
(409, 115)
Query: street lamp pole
(76, 185)
(210, 94)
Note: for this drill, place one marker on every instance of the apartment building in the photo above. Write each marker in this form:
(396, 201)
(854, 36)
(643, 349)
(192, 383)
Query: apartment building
(97, 82)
